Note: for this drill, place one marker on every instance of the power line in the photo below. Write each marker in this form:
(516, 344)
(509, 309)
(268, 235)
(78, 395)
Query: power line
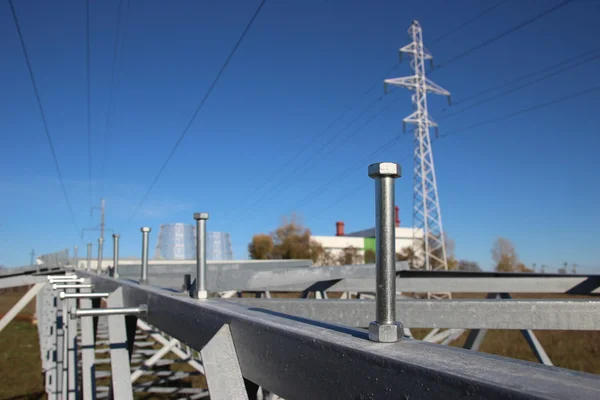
(319, 134)
(504, 33)
(507, 92)
(298, 169)
(477, 125)
(42, 114)
(347, 172)
(200, 106)
(467, 22)
(523, 111)
(349, 194)
(521, 78)
(107, 132)
(89, 97)
(346, 110)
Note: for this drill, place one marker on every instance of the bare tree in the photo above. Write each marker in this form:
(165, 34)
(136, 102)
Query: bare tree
(505, 255)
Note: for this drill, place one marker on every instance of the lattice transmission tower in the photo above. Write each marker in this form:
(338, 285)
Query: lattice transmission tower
(428, 234)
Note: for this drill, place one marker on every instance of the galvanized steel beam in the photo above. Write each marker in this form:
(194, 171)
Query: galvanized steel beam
(470, 314)
(299, 358)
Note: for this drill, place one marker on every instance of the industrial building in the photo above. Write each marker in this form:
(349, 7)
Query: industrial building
(365, 239)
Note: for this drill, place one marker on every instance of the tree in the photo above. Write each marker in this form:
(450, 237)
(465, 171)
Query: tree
(349, 256)
(505, 256)
(291, 240)
(408, 253)
(261, 247)
(370, 256)
(522, 268)
(468, 266)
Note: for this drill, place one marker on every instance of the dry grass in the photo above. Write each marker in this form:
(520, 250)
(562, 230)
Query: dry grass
(20, 366)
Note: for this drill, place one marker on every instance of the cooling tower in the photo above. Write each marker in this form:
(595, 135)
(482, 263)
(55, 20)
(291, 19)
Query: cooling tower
(178, 242)
(218, 246)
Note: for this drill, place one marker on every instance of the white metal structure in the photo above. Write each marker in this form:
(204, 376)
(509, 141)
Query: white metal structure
(427, 216)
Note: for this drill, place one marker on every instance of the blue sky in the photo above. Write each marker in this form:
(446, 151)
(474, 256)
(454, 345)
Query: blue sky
(532, 178)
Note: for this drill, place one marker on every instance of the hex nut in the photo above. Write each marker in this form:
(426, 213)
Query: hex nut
(198, 216)
(385, 169)
(386, 333)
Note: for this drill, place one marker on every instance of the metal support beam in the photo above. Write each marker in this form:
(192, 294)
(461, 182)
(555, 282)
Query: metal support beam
(119, 354)
(72, 354)
(475, 339)
(175, 350)
(469, 314)
(88, 358)
(293, 356)
(20, 305)
(536, 346)
(223, 373)
(148, 363)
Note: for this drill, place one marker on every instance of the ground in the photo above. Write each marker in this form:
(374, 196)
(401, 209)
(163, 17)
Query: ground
(20, 366)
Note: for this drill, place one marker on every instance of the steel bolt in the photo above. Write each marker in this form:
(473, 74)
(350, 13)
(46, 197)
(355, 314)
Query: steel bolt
(200, 292)
(145, 232)
(385, 328)
(100, 248)
(89, 256)
(115, 255)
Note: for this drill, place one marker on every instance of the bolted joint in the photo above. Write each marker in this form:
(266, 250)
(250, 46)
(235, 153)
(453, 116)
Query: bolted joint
(140, 311)
(57, 286)
(199, 216)
(202, 294)
(386, 333)
(385, 170)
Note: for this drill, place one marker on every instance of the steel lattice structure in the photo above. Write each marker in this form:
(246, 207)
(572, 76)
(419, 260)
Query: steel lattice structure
(428, 233)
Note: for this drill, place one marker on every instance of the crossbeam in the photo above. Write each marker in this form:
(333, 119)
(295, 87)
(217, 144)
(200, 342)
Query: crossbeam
(301, 358)
(468, 314)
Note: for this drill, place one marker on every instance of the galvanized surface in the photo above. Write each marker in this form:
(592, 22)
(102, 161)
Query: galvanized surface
(119, 354)
(472, 314)
(300, 359)
(222, 369)
(115, 255)
(201, 272)
(385, 274)
(361, 278)
(88, 358)
(144, 270)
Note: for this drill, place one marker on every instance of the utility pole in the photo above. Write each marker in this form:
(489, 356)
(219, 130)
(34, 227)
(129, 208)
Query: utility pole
(428, 233)
(101, 227)
(32, 254)
(574, 268)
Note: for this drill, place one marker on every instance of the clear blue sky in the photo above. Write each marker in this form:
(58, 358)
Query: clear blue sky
(533, 178)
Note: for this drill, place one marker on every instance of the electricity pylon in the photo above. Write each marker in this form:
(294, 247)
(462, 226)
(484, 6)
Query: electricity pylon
(428, 233)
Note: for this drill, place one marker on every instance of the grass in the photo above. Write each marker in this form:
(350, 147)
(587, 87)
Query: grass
(20, 365)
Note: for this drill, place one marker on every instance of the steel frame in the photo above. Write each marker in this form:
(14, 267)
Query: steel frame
(303, 348)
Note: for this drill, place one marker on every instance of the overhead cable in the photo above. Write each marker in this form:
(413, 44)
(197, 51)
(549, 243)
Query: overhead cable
(43, 115)
(199, 108)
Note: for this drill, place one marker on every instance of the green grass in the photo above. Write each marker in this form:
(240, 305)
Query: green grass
(20, 364)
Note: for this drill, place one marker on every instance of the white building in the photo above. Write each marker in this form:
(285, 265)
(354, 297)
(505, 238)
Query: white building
(365, 239)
